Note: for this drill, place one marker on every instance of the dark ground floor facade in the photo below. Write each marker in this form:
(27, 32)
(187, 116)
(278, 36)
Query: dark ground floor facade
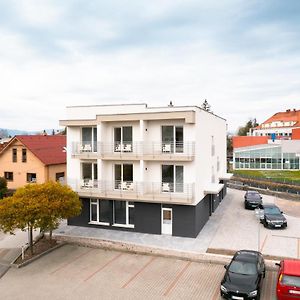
(153, 218)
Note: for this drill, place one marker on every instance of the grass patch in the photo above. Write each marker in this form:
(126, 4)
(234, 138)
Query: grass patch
(275, 175)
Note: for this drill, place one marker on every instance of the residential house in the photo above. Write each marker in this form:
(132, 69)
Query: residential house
(159, 170)
(33, 158)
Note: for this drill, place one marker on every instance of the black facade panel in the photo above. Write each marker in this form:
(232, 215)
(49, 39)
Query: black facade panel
(84, 218)
(147, 217)
(184, 220)
(202, 213)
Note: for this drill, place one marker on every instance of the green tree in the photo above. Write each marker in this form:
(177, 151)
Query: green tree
(243, 130)
(206, 106)
(38, 206)
(3, 187)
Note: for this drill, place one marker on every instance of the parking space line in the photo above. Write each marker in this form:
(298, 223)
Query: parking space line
(172, 285)
(102, 267)
(71, 261)
(263, 244)
(268, 287)
(139, 272)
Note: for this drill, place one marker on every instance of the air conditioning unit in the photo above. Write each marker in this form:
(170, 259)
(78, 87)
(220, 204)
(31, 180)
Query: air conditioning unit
(166, 187)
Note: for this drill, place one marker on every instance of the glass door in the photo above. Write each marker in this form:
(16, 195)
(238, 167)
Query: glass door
(167, 139)
(167, 221)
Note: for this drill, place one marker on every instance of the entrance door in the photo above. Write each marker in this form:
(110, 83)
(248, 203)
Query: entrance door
(166, 222)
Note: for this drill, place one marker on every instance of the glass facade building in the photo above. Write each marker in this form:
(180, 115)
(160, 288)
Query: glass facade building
(269, 157)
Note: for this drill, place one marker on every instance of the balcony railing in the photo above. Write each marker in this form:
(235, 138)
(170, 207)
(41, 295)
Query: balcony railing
(132, 190)
(135, 149)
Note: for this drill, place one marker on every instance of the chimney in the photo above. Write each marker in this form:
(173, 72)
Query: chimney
(288, 110)
(171, 104)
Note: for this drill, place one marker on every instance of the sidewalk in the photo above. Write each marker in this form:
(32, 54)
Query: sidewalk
(229, 229)
(11, 248)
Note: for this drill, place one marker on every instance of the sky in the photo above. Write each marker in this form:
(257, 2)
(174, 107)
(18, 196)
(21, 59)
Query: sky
(242, 56)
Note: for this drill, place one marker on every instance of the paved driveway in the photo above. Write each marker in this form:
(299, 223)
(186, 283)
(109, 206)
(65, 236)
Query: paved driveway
(74, 272)
(238, 228)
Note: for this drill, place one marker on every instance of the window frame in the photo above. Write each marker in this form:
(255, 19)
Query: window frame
(24, 155)
(129, 204)
(14, 155)
(9, 173)
(96, 202)
(31, 181)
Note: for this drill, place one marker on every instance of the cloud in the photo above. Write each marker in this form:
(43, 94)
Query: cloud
(234, 53)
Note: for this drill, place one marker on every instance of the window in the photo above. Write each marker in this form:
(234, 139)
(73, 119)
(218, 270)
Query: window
(31, 177)
(124, 176)
(24, 155)
(89, 139)
(172, 139)
(172, 178)
(89, 175)
(123, 139)
(123, 213)
(14, 155)
(100, 211)
(9, 176)
(60, 176)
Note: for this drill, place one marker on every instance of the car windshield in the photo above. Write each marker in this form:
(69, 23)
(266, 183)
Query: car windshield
(241, 267)
(291, 280)
(273, 210)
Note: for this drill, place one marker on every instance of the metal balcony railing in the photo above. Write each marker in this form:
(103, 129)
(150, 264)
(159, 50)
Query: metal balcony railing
(130, 148)
(133, 190)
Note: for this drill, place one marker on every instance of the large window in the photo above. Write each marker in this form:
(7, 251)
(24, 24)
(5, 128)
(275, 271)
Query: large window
(172, 178)
(123, 213)
(89, 174)
(9, 176)
(123, 139)
(266, 158)
(14, 155)
(100, 211)
(172, 139)
(89, 139)
(124, 176)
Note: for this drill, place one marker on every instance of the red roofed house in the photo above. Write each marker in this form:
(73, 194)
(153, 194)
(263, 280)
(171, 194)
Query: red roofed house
(281, 124)
(33, 158)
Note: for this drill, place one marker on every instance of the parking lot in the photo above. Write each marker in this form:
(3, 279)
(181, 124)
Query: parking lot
(73, 272)
(239, 228)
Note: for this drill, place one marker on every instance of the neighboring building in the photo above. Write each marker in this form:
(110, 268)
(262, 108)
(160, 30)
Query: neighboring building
(261, 152)
(33, 158)
(280, 124)
(159, 170)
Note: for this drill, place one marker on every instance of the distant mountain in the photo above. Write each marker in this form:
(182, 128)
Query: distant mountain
(4, 132)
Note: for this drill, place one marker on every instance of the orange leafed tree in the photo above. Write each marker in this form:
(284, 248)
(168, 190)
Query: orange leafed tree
(38, 206)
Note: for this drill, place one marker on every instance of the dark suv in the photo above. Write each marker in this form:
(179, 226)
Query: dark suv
(272, 217)
(252, 199)
(244, 276)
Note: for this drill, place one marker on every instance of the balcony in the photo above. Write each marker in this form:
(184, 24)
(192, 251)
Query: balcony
(136, 191)
(160, 151)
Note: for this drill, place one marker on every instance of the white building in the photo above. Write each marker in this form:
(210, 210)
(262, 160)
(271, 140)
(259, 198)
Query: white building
(156, 170)
(280, 124)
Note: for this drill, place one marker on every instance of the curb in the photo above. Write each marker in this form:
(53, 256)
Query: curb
(25, 263)
(127, 247)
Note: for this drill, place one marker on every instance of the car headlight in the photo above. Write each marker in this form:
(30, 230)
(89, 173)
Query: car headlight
(253, 293)
(223, 288)
(268, 221)
(284, 221)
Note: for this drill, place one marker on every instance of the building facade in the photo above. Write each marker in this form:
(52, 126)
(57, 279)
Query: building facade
(33, 158)
(153, 170)
(279, 125)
